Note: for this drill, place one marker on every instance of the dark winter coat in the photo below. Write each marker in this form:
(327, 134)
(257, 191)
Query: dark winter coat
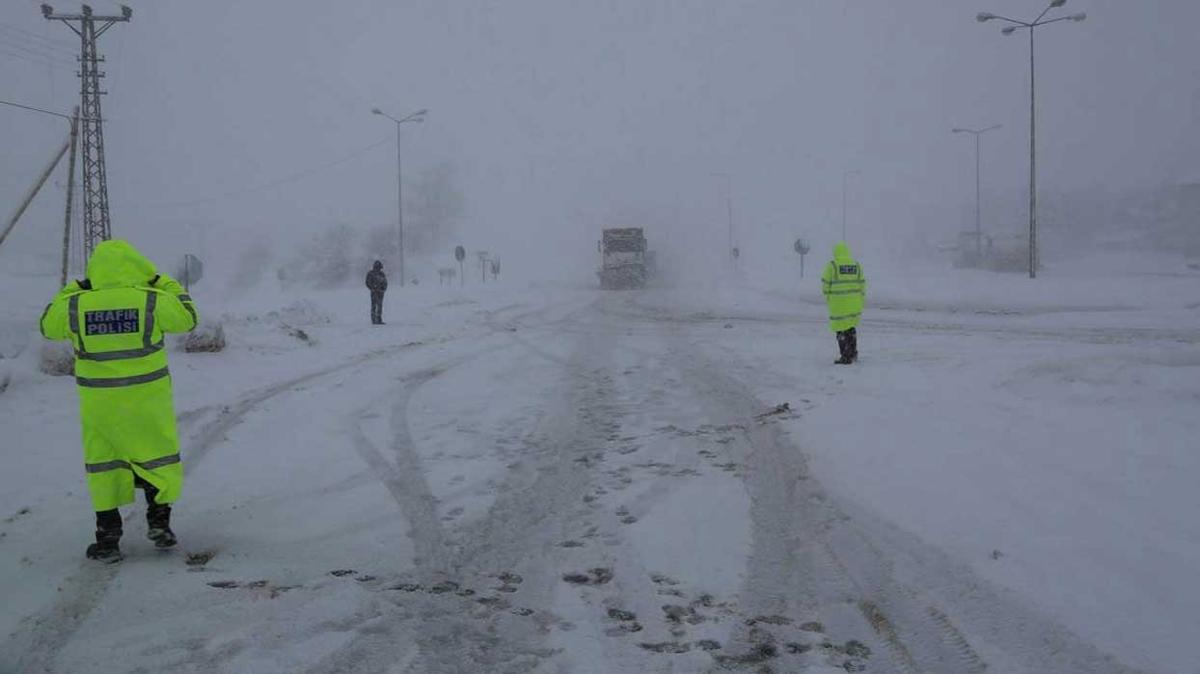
(377, 280)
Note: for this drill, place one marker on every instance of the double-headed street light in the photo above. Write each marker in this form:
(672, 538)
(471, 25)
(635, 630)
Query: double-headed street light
(416, 117)
(1009, 30)
(978, 227)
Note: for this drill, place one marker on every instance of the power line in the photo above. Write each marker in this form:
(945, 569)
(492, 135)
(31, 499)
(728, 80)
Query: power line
(39, 52)
(55, 51)
(292, 177)
(30, 107)
(49, 42)
(41, 62)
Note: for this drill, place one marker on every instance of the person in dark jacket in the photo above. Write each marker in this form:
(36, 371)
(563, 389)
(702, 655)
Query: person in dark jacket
(377, 284)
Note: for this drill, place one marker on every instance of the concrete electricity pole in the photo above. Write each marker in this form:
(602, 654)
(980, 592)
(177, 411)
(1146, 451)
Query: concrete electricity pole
(70, 197)
(73, 142)
(97, 226)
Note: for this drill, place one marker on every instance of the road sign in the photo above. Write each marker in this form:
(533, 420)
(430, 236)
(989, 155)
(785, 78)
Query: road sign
(801, 247)
(190, 270)
(460, 254)
(736, 253)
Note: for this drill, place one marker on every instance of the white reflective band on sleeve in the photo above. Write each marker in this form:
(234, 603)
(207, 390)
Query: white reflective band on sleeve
(148, 330)
(73, 317)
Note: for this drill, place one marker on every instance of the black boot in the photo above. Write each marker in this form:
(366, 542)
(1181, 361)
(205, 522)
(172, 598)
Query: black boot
(843, 340)
(107, 547)
(158, 517)
(158, 522)
(853, 345)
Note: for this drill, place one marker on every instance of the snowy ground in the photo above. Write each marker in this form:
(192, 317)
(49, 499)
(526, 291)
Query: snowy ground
(526, 479)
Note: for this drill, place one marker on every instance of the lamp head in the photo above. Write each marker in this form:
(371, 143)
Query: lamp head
(376, 111)
(87, 10)
(1079, 17)
(1057, 3)
(984, 16)
(126, 11)
(958, 130)
(47, 10)
(1008, 30)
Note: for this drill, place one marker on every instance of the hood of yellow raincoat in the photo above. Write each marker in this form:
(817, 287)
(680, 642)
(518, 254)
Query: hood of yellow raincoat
(116, 264)
(841, 252)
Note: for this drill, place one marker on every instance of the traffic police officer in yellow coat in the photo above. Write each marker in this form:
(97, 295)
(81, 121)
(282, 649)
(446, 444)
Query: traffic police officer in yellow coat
(116, 319)
(845, 290)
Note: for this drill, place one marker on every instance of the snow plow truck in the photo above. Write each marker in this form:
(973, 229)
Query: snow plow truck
(622, 258)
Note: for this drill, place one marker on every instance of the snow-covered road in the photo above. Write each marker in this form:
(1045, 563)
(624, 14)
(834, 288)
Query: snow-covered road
(588, 482)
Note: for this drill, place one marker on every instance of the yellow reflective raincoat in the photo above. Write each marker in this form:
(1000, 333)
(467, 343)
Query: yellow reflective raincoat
(845, 289)
(116, 319)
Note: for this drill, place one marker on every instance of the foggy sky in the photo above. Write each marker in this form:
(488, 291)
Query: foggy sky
(562, 116)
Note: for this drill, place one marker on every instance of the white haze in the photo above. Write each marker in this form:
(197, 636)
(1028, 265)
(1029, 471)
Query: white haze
(561, 117)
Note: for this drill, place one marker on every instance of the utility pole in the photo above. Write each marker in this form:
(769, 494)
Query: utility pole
(97, 225)
(70, 196)
(33, 191)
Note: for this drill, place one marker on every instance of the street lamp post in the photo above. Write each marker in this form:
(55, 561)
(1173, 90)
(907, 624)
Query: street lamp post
(729, 213)
(978, 227)
(416, 117)
(845, 180)
(1009, 30)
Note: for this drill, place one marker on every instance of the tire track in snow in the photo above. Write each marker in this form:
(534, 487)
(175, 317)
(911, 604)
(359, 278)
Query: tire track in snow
(793, 555)
(82, 592)
(533, 507)
(42, 635)
(859, 554)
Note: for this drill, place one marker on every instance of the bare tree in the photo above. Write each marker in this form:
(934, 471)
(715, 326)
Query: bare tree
(433, 209)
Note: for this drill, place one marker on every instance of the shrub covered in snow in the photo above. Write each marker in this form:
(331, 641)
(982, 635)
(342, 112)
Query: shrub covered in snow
(57, 359)
(207, 337)
(300, 312)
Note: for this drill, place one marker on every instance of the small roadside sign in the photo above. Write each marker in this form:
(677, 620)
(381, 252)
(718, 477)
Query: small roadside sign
(460, 254)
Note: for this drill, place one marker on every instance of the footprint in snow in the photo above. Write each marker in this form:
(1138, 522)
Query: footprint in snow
(596, 576)
(667, 647)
